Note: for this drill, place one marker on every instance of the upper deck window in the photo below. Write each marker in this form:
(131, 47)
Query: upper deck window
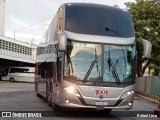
(98, 20)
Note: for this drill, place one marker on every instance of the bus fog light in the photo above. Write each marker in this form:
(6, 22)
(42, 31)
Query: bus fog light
(128, 93)
(129, 104)
(66, 100)
(72, 90)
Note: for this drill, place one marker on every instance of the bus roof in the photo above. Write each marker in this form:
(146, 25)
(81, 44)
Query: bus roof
(94, 5)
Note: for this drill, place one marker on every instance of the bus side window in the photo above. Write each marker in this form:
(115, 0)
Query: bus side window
(54, 72)
(42, 70)
(49, 71)
(39, 72)
(59, 62)
(43, 73)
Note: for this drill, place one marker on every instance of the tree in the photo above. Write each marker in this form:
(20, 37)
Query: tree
(146, 19)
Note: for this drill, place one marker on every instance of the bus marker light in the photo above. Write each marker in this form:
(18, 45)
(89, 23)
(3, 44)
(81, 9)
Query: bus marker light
(130, 104)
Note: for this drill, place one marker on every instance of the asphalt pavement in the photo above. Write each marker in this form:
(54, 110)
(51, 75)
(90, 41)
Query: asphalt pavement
(21, 98)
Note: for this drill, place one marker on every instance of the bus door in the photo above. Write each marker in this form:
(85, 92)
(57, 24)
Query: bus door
(57, 84)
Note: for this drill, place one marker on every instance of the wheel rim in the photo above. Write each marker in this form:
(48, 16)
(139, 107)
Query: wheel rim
(12, 79)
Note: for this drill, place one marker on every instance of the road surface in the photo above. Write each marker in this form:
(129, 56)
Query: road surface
(21, 98)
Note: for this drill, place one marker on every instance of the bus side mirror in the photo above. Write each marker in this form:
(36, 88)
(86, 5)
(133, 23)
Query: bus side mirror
(147, 47)
(62, 41)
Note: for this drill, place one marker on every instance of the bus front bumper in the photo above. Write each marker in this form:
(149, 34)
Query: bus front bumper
(86, 102)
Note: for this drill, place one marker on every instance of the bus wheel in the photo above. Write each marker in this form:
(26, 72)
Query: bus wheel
(48, 95)
(11, 79)
(55, 107)
(49, 99)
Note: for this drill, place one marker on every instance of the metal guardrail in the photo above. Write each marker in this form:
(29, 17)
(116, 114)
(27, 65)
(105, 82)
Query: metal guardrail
(148, 86)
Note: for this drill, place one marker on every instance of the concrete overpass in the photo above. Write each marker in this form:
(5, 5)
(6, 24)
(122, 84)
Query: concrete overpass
(16, 53)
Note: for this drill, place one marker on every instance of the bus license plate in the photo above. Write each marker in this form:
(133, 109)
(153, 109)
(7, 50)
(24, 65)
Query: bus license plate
(101, 103)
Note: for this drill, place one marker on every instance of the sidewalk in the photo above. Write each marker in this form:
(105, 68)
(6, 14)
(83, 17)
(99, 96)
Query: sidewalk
(154, 99)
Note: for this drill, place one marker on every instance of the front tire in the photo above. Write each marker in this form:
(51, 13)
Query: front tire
(54, 106)
(12, 80)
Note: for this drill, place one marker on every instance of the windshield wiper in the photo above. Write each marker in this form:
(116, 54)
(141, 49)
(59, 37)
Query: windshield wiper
(71, 66)
(107, 29)
(91, 67)
(113, 69)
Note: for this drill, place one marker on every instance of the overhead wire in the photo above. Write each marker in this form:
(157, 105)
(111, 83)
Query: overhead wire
(34, 23)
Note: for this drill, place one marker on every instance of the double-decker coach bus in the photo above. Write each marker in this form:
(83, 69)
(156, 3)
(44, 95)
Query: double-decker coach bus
(88, 59)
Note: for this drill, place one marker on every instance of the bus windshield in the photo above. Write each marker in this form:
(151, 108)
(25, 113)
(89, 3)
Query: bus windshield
(98, 20)
(118, 63)
(99, 63)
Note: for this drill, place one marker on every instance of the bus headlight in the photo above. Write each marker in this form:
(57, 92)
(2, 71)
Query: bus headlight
(128, 93)
(72, 90)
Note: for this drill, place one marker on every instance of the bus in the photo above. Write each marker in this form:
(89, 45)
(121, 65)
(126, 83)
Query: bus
(88, 58)
(21, 74)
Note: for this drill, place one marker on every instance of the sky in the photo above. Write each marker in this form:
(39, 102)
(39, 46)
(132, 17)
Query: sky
(25, 19)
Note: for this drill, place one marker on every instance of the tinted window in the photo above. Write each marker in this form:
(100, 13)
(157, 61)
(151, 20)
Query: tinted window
(15, 70)
(98, 20)
(21, 70)
(45, 70)
(5, 71)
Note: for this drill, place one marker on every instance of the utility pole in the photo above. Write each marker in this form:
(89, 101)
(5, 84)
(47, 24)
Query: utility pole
(2, 16)
(14, 35)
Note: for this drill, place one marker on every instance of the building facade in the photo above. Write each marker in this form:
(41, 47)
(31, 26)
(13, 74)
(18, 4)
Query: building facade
(16, 53)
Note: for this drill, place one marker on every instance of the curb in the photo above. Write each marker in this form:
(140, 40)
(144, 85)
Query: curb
(148, 98)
